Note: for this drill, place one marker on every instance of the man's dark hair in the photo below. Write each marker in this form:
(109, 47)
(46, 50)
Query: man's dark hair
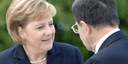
(97, 13)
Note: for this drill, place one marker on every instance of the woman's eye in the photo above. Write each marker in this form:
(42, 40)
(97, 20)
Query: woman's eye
(39, 27)
(51, 24)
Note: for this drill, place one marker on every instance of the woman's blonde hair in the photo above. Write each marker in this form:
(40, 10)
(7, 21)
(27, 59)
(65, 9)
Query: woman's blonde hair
(21, 10)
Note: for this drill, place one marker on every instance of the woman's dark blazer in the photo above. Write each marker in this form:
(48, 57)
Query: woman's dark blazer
(61, 53)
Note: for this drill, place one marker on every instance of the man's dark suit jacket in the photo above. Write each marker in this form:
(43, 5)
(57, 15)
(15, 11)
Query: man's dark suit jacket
(61, 53)
(114, 50)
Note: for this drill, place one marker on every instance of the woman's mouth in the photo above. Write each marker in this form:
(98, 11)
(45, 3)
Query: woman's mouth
(49, 39)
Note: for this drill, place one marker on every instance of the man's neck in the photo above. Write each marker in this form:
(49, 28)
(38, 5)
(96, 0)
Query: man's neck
(99, 34)
(103, 36)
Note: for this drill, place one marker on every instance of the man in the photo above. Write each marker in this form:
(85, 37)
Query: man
(97, 22)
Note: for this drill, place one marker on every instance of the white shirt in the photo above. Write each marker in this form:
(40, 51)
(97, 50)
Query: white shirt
(104, 38)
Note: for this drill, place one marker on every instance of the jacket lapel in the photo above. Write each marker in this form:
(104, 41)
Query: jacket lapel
(53, 59)
(54, 55)
(23, 61)
(21, 55)
(114, 37)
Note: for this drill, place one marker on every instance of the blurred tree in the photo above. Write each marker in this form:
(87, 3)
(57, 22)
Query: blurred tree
(123, 14)
(63, 22)
(5, 39)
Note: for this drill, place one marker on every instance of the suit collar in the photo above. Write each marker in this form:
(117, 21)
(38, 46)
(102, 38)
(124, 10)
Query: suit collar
(55, 50)
(21, 55)
(54, 55)
(111, 39)
(100, 42)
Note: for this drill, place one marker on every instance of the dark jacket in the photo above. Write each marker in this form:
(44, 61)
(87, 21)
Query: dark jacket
(114, 50)
(61, 53)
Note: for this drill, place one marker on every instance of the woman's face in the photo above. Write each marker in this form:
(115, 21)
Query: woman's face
(39, 35)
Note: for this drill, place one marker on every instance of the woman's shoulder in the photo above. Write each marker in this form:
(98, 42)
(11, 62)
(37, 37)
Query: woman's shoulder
(7, 52)
(65, 46)
(69, 52)
(60, 44)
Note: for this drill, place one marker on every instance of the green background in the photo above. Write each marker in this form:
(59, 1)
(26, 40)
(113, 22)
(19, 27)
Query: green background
(63, 22)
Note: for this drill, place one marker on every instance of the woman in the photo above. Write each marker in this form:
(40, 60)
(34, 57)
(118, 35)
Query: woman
(30, 24)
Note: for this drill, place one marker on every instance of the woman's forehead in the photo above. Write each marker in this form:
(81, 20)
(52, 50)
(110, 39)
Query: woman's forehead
(44, 20)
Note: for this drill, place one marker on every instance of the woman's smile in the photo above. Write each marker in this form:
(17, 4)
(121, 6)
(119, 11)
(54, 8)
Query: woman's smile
(47, 40)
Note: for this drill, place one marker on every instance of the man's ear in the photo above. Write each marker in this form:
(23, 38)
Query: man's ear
(86, 27)
(21, 32)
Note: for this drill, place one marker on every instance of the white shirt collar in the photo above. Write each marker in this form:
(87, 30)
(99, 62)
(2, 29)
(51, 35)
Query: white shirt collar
(104, 38)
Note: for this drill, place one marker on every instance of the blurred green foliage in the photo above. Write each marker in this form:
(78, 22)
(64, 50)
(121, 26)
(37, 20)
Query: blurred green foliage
(63, 22)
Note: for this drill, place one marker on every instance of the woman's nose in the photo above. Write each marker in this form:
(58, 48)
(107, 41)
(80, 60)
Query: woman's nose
(49, 31)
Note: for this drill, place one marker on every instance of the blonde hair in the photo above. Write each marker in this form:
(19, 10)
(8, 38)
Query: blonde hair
(21, 10)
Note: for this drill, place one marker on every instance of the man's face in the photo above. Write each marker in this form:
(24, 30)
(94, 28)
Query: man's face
(84, 36)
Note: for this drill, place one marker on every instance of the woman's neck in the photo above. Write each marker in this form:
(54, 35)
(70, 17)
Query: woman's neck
(34, 54)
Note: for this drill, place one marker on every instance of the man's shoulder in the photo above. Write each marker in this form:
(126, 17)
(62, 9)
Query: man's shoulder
(110, 55)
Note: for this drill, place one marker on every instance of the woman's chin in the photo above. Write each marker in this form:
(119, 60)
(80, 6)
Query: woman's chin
(48, 47)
